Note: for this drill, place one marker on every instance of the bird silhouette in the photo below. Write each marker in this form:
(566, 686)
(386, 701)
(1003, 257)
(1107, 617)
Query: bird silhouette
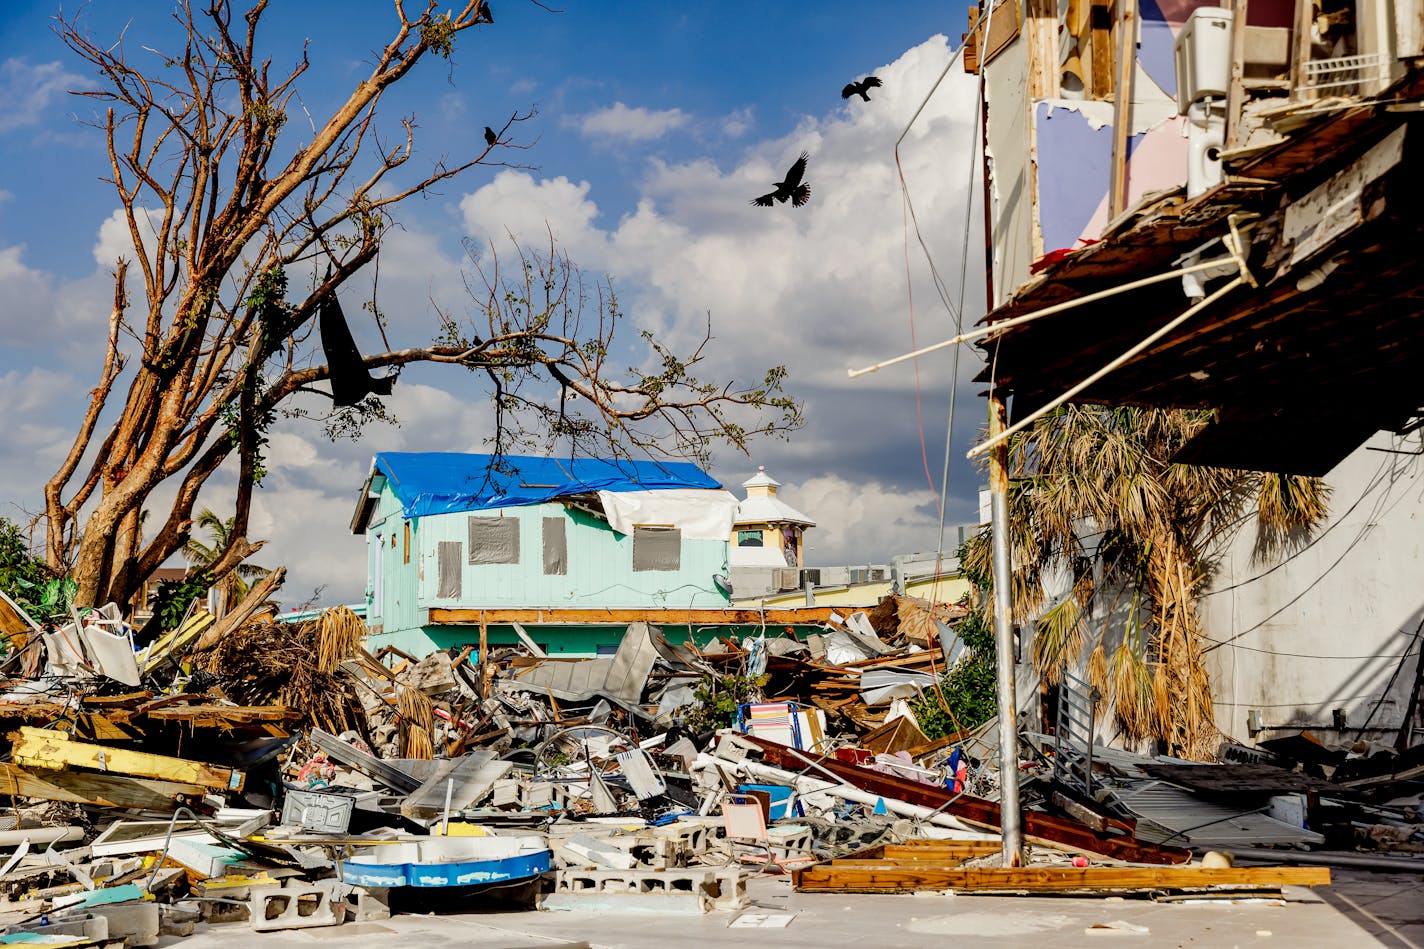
(490, 137)
(789, 187)
(861, 88)
(486, 15)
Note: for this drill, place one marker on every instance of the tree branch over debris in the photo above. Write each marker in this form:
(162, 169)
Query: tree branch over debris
(228, 209)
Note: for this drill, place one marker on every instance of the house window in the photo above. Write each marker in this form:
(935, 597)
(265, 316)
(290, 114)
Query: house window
(657, 548)
(748, 538)
(494, 540)
(448, 556)
(556, 547)
(405, 550)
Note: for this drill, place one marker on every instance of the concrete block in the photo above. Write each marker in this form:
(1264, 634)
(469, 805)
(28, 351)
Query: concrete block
(683, 890)
(138, 922)
(297, 906)
(89, 927)
(368, 903)
(731, 890)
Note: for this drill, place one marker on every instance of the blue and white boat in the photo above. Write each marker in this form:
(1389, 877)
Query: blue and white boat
(449, 861)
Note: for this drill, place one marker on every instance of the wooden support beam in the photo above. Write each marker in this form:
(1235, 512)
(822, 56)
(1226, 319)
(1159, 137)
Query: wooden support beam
(1057, 832)
(1122, 105)
(618, 617)
(101, 790)
(55, 750)
(859, 877)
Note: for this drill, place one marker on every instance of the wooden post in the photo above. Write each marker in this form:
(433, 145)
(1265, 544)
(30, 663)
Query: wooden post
(1122, 105)
(1300, 49)
(484, 657)
(1236, 95)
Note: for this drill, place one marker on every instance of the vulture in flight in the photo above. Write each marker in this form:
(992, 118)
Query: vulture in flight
(790, 187)
(490, 137)
(861, 88)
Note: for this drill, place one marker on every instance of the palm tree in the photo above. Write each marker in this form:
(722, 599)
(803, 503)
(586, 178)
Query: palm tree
(1095, 493)
(233, 586)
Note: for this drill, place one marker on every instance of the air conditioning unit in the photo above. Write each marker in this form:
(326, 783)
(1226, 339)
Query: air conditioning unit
(812, 576)
(788, 578)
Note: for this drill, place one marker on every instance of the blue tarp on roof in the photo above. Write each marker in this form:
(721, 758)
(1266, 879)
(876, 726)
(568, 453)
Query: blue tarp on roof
(449, 482)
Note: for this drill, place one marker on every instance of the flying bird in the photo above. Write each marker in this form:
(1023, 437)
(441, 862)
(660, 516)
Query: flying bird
(790, 187)
(490, 137)
(861, 88)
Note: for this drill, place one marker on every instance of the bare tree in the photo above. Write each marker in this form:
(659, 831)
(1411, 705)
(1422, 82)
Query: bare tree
(224, 206)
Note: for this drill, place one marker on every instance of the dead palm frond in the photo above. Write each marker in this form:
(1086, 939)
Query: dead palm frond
(1059, 638)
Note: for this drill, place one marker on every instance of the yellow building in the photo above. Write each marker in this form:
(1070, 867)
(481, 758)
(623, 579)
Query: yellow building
(767, 532)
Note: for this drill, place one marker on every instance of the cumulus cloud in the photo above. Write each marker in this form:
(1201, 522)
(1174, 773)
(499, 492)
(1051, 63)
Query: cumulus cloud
(618, 121)
(739, 122)
(28, 90)
(859, 522)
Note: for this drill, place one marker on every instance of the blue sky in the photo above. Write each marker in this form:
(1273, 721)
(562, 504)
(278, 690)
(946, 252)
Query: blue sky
(656, 123)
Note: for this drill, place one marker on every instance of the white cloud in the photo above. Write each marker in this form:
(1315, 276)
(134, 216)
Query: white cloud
(26, 91)
(739, 122)
(514, 203)
(635, 124)
(858, 522)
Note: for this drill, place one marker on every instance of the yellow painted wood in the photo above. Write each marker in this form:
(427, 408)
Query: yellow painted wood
(905, 877)
(42, 748)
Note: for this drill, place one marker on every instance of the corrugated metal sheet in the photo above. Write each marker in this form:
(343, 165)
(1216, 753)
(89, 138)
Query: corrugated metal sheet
(1169, 815)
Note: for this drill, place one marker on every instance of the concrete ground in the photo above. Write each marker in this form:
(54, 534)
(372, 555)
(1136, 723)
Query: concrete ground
(1361, 910)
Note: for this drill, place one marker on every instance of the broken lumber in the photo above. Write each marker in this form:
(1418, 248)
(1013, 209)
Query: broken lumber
(56, 751)
(1056, 832)
(908, 877)
(109, 790)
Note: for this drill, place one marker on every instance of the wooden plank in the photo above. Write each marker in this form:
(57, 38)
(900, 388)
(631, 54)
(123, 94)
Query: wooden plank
(907, 878)
(56, 750)
(109, 790)
(688, 617)
(1122, 105)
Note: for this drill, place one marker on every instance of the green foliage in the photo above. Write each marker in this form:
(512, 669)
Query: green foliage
(25, 579)
(718, 697)
(969, 689)
(438, 35)
(173, 597)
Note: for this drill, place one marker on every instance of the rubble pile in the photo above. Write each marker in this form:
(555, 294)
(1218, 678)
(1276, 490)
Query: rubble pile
(280, 776)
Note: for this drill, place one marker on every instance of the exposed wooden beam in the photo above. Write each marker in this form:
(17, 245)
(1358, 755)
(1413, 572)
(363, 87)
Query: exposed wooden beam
(860, 877)
(55, 750)
(1122, 105)
(618, 617)
(100, 790)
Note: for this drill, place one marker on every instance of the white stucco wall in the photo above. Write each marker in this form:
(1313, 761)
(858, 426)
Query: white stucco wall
(1327, 625)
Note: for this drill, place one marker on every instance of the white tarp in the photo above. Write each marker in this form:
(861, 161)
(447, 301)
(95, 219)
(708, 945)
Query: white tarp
(700, 514)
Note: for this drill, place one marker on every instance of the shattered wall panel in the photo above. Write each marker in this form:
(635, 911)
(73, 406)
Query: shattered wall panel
(556, 547)
(494, 540)
(450, 568)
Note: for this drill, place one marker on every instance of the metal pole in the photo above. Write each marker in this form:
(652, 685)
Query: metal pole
(1004, 638)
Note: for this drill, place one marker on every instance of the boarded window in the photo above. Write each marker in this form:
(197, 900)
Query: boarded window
(748, 538)
(406, 548)
(556, 547)
(450, 566)
(494, 540)
(657, 548)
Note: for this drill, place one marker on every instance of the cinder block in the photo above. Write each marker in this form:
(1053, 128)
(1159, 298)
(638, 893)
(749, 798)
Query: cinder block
(685, 890)
(367, 903)
(138, 922)
(297, 906)
(731, 890)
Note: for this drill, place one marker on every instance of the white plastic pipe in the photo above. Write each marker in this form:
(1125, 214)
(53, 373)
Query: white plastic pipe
(1049, 407)
(1037, 314)
(40, 835)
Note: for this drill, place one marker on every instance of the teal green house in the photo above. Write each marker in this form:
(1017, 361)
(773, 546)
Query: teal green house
(571, 550)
